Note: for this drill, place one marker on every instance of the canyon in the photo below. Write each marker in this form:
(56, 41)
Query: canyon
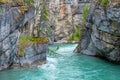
(27, 28)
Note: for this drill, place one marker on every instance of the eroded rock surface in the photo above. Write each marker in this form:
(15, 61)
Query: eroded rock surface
(102, 32)
(34, 54)
(14, 16)
(61, 17)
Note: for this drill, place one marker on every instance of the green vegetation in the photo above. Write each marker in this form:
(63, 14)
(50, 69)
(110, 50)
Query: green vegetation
(44, 12)
(38, 40)
(3, 1)
(23, 38)
(78, 28)
(54, 51)
(85, 13)
(104, 2)
(22, 43)
(28, 2)
(26, 40)
(44, 17)
(23, 8)
(0, 9)
(32, 39)
(76, 35)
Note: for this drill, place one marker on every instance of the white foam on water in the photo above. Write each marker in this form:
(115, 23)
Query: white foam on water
(52, 60)
(67, 49)
(50, 65)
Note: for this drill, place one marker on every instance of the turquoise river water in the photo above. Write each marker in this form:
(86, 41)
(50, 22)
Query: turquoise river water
(67, 66)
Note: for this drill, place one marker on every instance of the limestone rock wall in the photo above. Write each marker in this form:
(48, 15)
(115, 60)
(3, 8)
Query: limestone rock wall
(34, 54)
(79, 11)
(102, 32)
(64, 16)
(9, 22)
(61, 17)
(13, 16)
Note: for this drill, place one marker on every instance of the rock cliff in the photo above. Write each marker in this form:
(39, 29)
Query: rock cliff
(15, 15)
(61, 17)
(102, 31)
(65, 15)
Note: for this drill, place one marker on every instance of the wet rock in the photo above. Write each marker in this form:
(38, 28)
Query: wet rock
(32, 56)
(103, 38)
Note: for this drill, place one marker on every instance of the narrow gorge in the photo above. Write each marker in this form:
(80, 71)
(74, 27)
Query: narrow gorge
(59, 39)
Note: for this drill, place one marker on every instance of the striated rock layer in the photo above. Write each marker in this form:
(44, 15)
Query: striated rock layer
(65, 15)
(62, 17)
(13, 16)
(102, 32)
(34, 54)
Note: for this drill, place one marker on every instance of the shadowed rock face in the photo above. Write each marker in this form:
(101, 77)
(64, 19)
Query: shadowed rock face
(102, 33)
(13, 17)
(9, 22)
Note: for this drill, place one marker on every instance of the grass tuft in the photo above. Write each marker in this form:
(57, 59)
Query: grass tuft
(25, 41)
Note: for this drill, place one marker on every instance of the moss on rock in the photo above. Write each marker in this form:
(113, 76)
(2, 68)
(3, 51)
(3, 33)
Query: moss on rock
(25, 41)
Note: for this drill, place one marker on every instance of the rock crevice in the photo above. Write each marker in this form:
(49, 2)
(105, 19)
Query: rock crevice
(101, 36)
(14, 16)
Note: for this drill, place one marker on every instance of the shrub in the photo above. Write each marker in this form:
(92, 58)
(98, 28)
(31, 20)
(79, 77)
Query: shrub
(85, 13)
(44, 12)
(28, 2)
(53, 50)
(3, 1)
(26, 40)
(104, 2)
(76, 35)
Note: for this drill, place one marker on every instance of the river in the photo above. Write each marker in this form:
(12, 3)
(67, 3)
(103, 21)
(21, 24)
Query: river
(67, 66)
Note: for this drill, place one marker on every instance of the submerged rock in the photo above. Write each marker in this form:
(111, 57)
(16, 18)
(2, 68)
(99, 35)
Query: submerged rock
(102, 33)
